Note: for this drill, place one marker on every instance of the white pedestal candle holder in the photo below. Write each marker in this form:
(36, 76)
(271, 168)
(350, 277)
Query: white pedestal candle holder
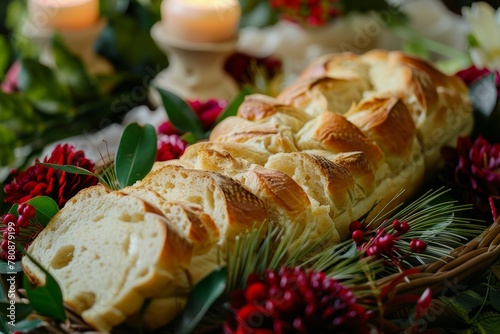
(196, 70)
(80, 42)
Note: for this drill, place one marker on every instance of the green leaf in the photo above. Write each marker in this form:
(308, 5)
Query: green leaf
(494, 298)
(144, 59)
(496, 271)
(201, 298)
(136, 154)
(28, 326)
(22, 310)
(469, 300)
(46, 208)
(69, 169)
(181, 115)
(17, 114)
(43, 89)
(71, 69)
(8, 143)
(489, 322)
(232, 108)
(5, 53)
(5, 267)
(4, 327)
(47, 300)
(110, 7)
(456, 308)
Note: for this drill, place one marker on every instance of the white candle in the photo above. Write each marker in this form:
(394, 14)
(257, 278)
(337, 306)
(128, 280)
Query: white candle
(64, 14)
(205, 21)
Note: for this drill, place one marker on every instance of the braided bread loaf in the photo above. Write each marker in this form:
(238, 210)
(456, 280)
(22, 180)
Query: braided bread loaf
(350, 132)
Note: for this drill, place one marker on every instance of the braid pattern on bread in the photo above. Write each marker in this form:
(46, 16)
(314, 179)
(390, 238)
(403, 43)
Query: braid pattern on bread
(352, 131)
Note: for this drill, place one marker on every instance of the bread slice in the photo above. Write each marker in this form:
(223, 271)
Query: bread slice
(108, 252)
(232, 207)
(192, 222)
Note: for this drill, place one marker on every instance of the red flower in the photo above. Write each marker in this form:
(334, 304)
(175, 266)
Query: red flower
(313, 13)
(241, 67)
(39, 180)
(9, 84)
(207, 111)
(295, 301)
(473, 74)
(475, 169)
(170, 147)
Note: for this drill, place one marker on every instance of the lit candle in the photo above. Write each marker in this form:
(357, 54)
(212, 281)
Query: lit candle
(205, 21)
(64, 14)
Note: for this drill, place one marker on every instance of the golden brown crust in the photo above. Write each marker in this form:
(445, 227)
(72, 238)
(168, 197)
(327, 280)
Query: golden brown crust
(273, 138)
(237, 150)
(281, 190)
(356, 163)
(387, 121)
(346, 66)
(257, 107)
(236, 209)
(313, 95)
(245, 209)
(336, 134)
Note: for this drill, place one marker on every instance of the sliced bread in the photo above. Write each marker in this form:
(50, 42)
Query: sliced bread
(108, 252)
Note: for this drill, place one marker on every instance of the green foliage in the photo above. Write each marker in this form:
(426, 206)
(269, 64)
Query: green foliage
(5, 55)
(132, 28)
(8, 142)
(181, 115)
(41, 86)
(18, 114)
(201, 298)
(47, 300)
(136, 154)
(71, 70)
(476, 309)
(6, 267)
(232, 108)
(45, 207)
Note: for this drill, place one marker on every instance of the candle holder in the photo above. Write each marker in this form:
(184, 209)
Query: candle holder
(80, 42)
(196, 70)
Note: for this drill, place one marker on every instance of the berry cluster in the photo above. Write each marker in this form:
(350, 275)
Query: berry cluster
(295, 301)
(17, 229)
(314, 13)
(383, 244)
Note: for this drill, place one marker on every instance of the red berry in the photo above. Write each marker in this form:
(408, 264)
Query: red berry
(372, 251)
(23, 221)
(380, 231)
(9, 218)
(385, 242)
(358, 236)
(5, 246)
(418, 246)
(29, 211)
(256, 293)
(395, 224)
(21, 207)
(403, 227)
(251, 316)
(355, 226)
